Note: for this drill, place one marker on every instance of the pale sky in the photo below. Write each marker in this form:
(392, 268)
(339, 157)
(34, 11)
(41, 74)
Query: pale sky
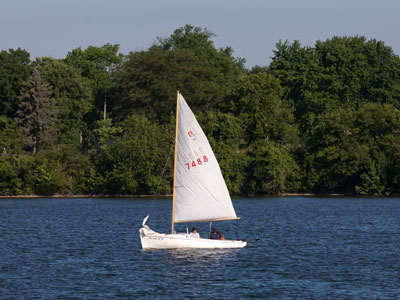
(251, 27)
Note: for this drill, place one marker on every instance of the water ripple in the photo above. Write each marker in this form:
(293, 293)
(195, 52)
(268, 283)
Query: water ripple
(299, 248)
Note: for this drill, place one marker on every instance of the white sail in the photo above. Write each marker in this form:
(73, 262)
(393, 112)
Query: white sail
(200, 190)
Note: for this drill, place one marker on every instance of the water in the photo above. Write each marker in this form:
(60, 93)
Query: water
(308, 248)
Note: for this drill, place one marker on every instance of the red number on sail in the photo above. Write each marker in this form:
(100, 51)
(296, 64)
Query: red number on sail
(199, 162)
(192, 135)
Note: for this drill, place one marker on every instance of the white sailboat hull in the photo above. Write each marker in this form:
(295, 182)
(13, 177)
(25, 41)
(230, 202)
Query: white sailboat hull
(154, 240)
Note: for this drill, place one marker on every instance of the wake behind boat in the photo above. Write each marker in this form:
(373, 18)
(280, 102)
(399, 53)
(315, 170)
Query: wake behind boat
(199, 192)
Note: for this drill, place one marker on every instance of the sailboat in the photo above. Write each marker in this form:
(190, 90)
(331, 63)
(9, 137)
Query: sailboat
(199, 191)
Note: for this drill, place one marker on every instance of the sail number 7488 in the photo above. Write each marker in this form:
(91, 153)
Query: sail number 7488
(197, 162)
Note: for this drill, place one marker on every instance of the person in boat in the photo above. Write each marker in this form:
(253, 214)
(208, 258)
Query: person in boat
(215, 235)
(194, 233)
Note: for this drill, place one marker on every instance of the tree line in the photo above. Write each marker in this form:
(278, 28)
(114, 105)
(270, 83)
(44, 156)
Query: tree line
(319, 119)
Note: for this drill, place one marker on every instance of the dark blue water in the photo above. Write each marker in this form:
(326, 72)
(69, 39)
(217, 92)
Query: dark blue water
(308, 248)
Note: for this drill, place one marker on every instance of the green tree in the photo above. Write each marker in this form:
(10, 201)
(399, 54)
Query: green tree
(355, 151)
(97, 64)
(61, 170)
(15, 69)
(106, 132)
(355, 70)
(74, 98)
(135, 161)
(44, 175)
(198, 41)
(187, 61)
(37, 115)
(74, 167)
(11, 138)
(271, 169)
(10, 181)
(339, 71)
(257, 100)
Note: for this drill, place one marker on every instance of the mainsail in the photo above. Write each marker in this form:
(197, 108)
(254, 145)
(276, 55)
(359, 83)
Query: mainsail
(200, 192)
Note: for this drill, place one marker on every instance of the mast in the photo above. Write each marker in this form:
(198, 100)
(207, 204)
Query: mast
(176, 154)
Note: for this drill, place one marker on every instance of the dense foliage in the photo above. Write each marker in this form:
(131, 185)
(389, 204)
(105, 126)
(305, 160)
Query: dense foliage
(322, 119)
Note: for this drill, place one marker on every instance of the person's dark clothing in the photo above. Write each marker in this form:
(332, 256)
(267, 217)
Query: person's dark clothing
(215, 235)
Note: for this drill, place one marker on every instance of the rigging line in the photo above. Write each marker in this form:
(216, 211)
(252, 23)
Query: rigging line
(159, 182)
(165, 166)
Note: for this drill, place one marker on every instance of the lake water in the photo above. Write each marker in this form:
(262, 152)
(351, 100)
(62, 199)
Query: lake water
(299, 248)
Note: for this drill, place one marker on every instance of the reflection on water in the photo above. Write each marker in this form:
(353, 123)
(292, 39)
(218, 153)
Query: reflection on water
(179, 259)
(202, 254)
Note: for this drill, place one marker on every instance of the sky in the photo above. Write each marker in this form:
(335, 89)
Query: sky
(251, 27)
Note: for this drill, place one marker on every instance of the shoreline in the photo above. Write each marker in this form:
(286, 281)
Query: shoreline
(333, 195)
(83, 196)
